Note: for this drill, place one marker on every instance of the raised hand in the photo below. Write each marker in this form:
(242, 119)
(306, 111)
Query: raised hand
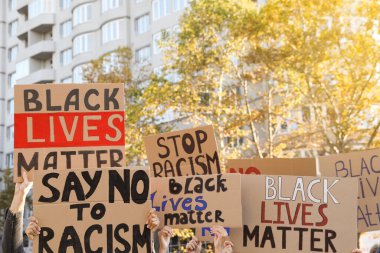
(33, 228)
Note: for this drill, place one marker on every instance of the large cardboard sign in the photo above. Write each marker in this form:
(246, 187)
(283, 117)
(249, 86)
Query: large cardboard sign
(273, 166)
(265, 166)
(92, 211)
(68, 126)
(297, 214)
(183, 153)
(197, 201)
(365, 166)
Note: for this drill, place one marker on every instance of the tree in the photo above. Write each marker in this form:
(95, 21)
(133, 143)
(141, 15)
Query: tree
(328, 53)
(117, 67)
(217, 84)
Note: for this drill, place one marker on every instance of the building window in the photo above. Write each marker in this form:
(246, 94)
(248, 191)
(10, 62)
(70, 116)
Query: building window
(66, 56)
(180, 4)
(12, 4)
(110, 4)
(22, 69)
(67, 80)
(111, 31)
(143, 54)
(66, 28)
(13, 28)
(168, 7)
(161, 8)
(12, 53)
(81, 14)
(11, 80)
(142, 24)
(37, 7)
(65, 4)
(158, 9)
(9, 160)
(81, 44)
(10, 106)
(10, 133)
(78, 74)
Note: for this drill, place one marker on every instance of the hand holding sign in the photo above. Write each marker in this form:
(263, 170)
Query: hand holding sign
(164, 237)
(194, 246)
(220, 234)
(33, 228)
(152, 220)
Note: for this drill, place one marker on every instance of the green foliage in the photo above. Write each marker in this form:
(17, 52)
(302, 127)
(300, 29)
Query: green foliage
(309, 65)
(329, 55)
(271, 79)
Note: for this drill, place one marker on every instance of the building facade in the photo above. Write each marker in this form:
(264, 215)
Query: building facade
(49, 41)
(45, 41)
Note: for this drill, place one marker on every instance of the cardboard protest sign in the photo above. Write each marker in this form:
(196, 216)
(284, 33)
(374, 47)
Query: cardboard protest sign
(273, 166)
(364, 165)
(92, 211)
(183, 153)
(196, 201)
(267, 166)
(205, 234)
(68, 126)
(297, 214)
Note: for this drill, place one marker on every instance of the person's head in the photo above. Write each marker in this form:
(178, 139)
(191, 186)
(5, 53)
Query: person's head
(375, 249)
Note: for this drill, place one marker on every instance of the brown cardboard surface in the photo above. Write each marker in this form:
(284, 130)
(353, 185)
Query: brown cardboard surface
(265, 166)
(341, 217)
(224, 200)
(102, 157)
(59, 93)
(364, 165)
(59, 217)
(118, 226)
(182, 153)
(91, 185)
(68, 118)
(273, 166)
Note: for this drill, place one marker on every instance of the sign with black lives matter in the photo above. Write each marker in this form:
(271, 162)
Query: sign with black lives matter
(274, 166)
(197, 201)
(297, 214)
(93, 210)
(183, 153)
(365, 166)
(264, 166)
(68, 126)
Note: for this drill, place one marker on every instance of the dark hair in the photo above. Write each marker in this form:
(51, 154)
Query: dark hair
(375, 249)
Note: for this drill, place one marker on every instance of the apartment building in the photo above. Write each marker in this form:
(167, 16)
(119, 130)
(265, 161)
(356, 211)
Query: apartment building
(44, 41)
